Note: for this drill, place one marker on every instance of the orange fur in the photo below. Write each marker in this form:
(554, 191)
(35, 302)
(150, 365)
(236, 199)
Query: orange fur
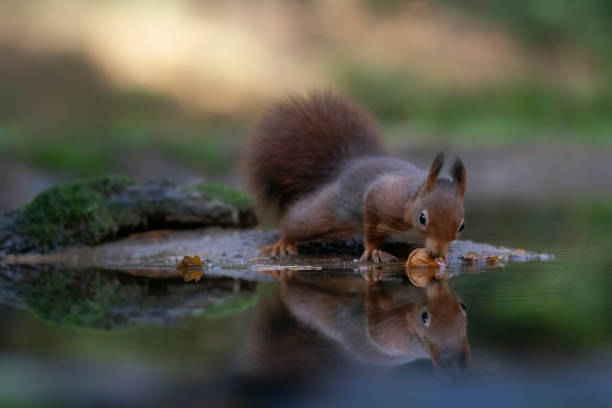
(301, 142)
(319, 160)
(325, 320)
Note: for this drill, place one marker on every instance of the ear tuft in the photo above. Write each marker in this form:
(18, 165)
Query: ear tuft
(459, 176)
(434, 172)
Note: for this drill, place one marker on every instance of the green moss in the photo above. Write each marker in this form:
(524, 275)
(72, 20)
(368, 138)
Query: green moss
(104, 300)
(73, 213)
(82, 212)
(238, 303)
(78, 298)
(220, 192)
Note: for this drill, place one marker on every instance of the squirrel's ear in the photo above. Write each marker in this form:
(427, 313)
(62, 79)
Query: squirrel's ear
(434, 172)
(459, 177)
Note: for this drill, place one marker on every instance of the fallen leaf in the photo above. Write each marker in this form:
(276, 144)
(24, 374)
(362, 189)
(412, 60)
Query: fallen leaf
(191, 273)
(476, 257)
(190, 268)
(190, 260)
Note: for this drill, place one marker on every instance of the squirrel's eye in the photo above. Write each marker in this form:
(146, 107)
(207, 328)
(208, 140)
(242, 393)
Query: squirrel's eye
(425, 318)
(423, 218)
(463, 306)
(462, 226)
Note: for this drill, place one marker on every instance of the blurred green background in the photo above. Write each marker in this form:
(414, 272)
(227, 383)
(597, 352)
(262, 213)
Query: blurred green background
(522, 91)
(170, 89)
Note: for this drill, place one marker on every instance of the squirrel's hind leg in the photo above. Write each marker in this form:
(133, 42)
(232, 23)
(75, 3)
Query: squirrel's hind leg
(311, 218)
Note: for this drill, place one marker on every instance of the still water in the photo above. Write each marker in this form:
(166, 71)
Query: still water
(527, 334)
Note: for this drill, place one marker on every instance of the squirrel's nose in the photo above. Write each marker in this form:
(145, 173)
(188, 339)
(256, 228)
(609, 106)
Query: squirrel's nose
(451, 367)
(436, 249)
(436, 254)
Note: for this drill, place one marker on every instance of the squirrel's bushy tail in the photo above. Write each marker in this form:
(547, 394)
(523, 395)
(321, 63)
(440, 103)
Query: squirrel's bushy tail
(301, 142)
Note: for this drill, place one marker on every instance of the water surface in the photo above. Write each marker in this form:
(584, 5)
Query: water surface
(538, 334)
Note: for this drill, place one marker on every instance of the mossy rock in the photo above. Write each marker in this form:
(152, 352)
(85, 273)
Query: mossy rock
(88, 212)
(218, 191)
(80, 298)
(236, 304)
(74, 213)
(108, 300)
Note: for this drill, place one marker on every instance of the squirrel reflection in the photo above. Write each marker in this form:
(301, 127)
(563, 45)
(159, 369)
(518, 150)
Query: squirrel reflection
(317, 322)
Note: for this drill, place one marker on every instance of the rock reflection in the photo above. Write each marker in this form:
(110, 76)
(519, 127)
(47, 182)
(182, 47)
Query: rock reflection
(109, 300)
(317, 324)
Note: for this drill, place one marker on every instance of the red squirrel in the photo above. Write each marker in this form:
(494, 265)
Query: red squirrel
(320, 162)
(338, 320)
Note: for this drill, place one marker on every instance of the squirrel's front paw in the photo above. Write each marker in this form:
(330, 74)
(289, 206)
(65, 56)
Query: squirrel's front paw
(377, 255)
(371, 275)
(280, 248)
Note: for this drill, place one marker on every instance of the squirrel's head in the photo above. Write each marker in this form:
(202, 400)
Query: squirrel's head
(437, 209)
(433, 323)
(444, 330)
